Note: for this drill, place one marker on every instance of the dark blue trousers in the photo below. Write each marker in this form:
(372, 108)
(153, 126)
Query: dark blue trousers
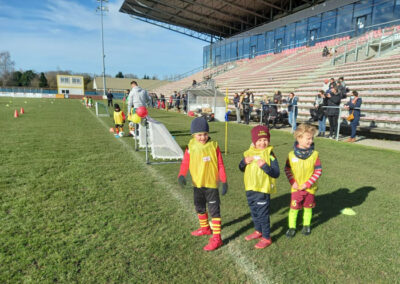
(259, 208)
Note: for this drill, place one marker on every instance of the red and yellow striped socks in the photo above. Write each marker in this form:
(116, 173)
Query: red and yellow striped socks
(216, 227)
(203, 219)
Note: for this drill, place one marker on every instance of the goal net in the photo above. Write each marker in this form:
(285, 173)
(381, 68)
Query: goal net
(101, 109)
(159, 140)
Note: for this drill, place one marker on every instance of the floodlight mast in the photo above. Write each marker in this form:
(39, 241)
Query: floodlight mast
(102, 8)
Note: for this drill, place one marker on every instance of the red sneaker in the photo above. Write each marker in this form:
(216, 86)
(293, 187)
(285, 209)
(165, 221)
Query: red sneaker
(263, 243)
(202, 232)
(213, 243)
(253, 236)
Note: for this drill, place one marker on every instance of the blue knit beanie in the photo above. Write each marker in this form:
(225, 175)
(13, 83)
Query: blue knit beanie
(199, 124)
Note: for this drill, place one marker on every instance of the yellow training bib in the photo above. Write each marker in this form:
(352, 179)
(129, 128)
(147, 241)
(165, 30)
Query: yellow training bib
(203, 164)
(303, 169)
(255, 178)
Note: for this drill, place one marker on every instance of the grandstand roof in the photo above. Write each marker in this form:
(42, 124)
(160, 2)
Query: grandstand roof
(218, 19)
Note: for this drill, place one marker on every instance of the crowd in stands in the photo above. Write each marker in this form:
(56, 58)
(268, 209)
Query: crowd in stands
(284, 110)
(279, 110)
(177, 101)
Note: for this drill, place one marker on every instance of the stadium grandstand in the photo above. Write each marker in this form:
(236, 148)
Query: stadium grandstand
(268, 45)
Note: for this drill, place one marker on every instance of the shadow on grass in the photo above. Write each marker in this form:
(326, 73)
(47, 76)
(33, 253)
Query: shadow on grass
(276, 204)
(328, 206)
(185, 133)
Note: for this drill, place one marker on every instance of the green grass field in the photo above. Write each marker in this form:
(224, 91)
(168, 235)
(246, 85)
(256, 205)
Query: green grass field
(79, 205)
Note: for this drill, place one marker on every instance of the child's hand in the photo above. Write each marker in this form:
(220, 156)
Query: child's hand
(248, 160)
(295, 185)
(224, 188)
(182, 181)
(303, 186)
(260, 162)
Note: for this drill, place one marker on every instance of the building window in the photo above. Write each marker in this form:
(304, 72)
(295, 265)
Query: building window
(76, 81)
(64, 80)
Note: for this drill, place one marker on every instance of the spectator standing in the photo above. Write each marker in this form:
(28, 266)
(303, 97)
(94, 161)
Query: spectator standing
(110, 98)
(178, 102)
(342, 91)
(194, 83)
(265, 110)
(162, 101)
(246, 108)
(354, 107)
(319, 105)
(170, 100)
(273, 112)
(278, 97)
(333, 103)
(137, 97)
(236, 101)
(292, 109)
(155, 100)
(185, 101)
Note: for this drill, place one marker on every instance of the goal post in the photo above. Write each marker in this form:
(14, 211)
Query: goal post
(101, 109)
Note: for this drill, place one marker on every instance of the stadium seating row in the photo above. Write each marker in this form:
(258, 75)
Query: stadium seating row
(303, 71)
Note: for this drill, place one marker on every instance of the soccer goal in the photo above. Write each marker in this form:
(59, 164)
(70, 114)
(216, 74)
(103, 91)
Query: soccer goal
(101, 109)
(158, 141)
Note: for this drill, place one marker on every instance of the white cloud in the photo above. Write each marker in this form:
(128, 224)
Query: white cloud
(66, 34)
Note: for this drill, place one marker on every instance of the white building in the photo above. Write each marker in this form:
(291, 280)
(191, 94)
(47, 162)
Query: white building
(70, 85)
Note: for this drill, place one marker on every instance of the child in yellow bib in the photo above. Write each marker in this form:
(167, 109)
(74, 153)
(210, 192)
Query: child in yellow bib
(119, 120)
(260, 168)
(203, 159)
(303, 169)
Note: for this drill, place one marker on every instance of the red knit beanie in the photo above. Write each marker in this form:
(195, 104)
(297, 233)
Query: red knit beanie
(259, 131)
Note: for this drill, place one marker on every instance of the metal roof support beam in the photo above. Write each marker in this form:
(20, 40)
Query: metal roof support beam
(271, 5)
(224, 13)
(243, 9)
(196, 35)
(215, 20)
(191, 23)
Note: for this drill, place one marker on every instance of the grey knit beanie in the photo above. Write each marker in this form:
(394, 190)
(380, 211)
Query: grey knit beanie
(199, 124)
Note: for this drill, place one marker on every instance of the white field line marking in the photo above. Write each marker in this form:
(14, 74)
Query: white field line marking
(256, 274)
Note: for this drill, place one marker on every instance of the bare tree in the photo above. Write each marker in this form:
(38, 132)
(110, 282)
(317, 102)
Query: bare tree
(6, 66)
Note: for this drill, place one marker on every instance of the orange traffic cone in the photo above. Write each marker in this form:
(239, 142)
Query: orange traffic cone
(16, 114)
(21, 111)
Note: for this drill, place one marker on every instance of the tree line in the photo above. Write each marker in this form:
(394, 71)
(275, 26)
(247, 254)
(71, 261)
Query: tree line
(9, 77)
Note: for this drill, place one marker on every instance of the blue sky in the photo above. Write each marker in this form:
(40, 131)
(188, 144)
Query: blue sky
(48, 35)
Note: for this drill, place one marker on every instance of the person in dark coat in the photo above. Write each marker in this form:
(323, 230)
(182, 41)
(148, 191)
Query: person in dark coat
(333, 103)
(178, 102)
(332, 83)
(341, 90)
(185, 101)
(319, 106)
(273, 113)
(110, 98)
(236, 101)
(354, 107)
(246, 108)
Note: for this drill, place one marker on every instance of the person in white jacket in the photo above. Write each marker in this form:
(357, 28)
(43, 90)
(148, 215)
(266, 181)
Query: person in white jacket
(137, 97)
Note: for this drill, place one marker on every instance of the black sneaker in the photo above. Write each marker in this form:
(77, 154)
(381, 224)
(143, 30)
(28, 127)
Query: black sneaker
(290, 233)
(306, 230)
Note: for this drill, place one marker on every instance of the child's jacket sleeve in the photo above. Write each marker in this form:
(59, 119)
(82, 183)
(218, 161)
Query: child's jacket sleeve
(315, 176)
(185, 164)
(221, 167)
